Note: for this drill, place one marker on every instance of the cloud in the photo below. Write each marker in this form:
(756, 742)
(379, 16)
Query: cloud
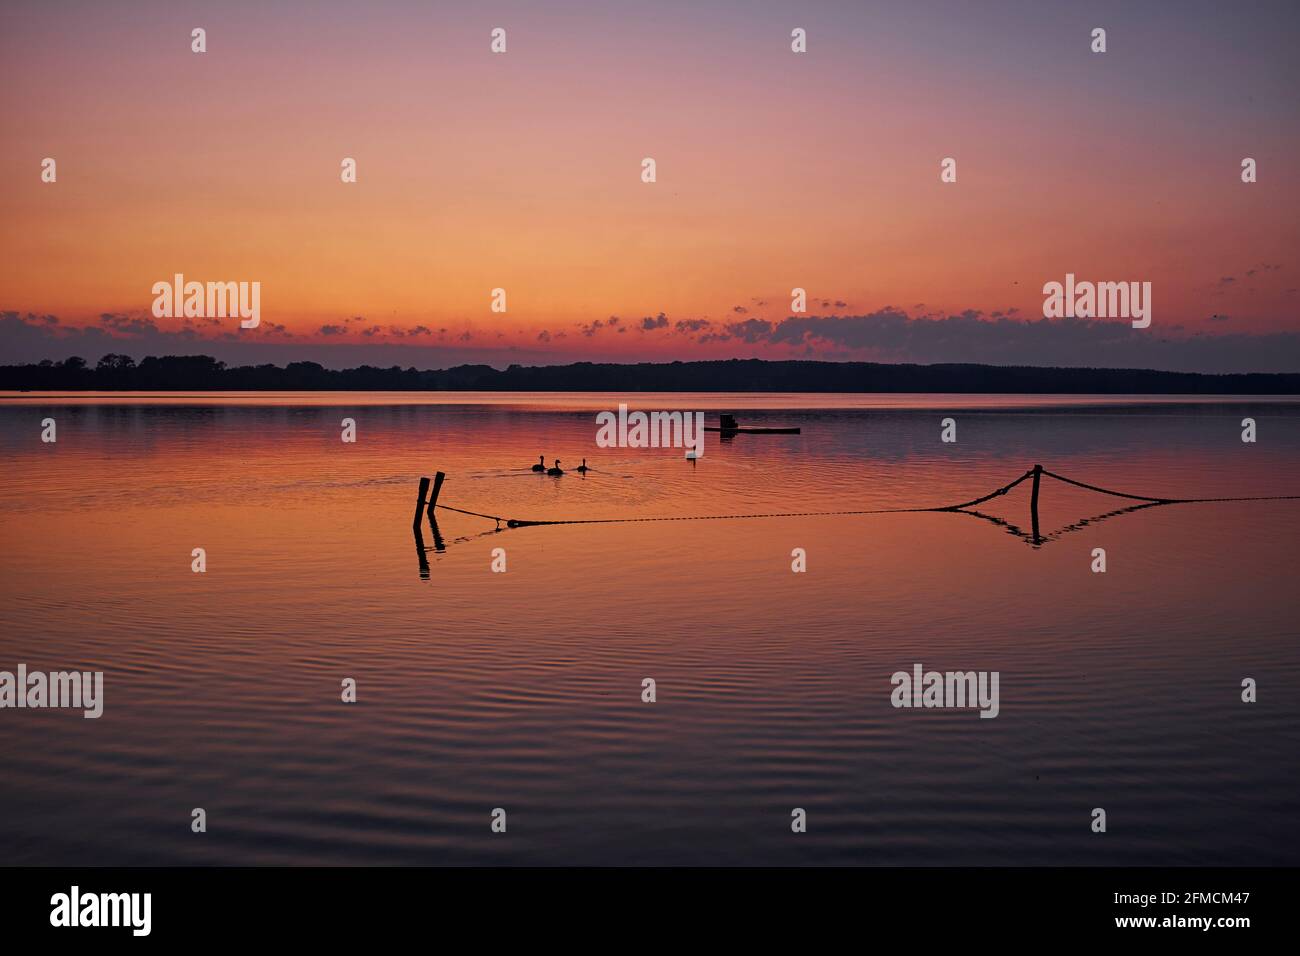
(887, 335)
(890, 335)
(750, 330)
(121, 324)
(31, 337)
(650, 323)
(691, 325)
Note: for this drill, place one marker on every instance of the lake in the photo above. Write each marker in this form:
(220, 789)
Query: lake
(522, 690)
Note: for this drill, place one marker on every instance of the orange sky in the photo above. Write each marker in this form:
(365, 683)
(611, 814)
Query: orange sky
(522, 170)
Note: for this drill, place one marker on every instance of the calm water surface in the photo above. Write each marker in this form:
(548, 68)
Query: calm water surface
(523, 690)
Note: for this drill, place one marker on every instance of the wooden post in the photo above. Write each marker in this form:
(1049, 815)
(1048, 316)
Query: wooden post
(437, 487)
(419, 502)
(1033, 502)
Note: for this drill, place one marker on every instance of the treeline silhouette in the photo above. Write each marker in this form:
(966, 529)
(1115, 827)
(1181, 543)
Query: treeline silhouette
(204, 373)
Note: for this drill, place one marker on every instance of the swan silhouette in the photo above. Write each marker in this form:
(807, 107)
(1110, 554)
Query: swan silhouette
(557, 471)
(541, 463)
(583, 467)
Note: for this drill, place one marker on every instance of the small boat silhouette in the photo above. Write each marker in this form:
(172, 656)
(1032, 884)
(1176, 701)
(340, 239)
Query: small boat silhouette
(728, 425)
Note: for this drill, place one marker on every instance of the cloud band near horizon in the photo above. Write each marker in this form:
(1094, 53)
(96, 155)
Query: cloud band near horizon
(886, 335)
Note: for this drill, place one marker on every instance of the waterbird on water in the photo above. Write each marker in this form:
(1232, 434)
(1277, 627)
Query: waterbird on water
(583, 467)
(556, 470)
(541, 463)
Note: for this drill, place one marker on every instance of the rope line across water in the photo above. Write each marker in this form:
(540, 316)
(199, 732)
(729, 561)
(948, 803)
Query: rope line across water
(1164, 501)
(520, 523)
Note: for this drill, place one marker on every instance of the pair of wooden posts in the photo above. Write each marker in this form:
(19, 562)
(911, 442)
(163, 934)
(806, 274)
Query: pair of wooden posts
(429, 501)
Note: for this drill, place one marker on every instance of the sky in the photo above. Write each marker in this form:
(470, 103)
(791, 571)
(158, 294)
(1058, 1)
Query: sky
(775, 170)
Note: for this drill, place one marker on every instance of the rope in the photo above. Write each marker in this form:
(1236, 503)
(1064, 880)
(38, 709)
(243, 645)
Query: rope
(1001, 491)
(476, 514)
(1163, 501)
(521, 523)
(515, 523)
